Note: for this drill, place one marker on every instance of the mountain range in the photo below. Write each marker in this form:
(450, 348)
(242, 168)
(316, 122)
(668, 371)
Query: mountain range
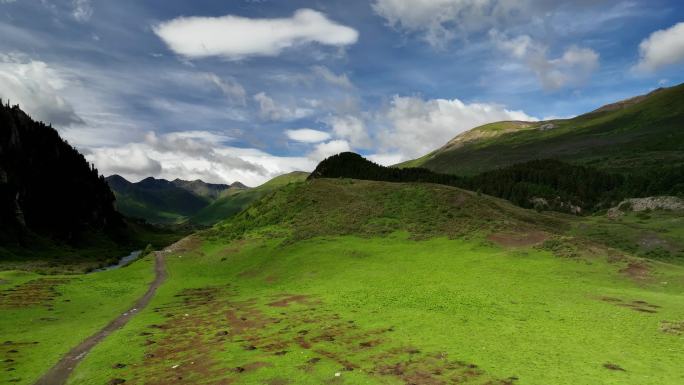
(195, 202)
(163, 201)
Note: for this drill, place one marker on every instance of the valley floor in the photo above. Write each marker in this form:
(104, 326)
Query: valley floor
(348, 310)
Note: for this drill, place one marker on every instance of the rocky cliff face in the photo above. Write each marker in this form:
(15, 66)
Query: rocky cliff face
(46, 186)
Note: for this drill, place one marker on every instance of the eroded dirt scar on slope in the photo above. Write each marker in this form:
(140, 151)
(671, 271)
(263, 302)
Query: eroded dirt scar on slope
(212, 336)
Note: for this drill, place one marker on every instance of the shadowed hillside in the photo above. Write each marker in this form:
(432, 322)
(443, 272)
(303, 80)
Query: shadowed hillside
(46, 186)
(57, 213)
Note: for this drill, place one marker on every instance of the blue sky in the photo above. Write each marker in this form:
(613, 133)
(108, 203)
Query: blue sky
(249, 89)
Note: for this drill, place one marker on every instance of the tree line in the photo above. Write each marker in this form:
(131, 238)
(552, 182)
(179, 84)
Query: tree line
(543, 184)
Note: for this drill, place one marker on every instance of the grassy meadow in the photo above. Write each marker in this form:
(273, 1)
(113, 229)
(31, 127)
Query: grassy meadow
(394, 310)
(43, 317)
(361, 282)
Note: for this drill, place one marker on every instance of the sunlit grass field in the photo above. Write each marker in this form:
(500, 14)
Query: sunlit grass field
(43, 317)
(360, 282)
(393, 310)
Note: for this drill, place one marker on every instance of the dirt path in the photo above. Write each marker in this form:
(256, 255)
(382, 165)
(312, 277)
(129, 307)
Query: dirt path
(58, 374)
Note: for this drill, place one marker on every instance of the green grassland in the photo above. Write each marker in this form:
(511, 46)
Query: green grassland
(655, 235)
(641, 136)
(361, 282)
(135, 207)
(44, 316)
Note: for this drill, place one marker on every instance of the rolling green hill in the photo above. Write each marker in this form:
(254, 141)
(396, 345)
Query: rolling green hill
(643, 133)
(545, 184)
(237, 200)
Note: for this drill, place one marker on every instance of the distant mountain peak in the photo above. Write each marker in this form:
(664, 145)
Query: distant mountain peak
(238, 184)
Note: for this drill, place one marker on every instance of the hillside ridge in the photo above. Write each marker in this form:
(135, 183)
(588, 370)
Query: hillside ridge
(638, 133)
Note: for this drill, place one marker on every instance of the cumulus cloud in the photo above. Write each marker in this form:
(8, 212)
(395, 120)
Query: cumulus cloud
(127, 160)
(270, 110)
(572, 68)
(330, 77)
(229, 87)
(83, 10)
(351, 128)
(235, 37)
(662, 48)
(414, 127)
(193, 155)
(386, 159)
(307, 135)
(38, 88)
(324, 150)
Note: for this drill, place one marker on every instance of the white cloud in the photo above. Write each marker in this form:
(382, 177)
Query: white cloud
(126, 161)
(662, 48)
(307, 135)
(270, 110)
(37, 88)
(442, 20)
(83, 10)
(324, 150)
(414, 126)
(386, 159)
(350, 128)
(235, 37)
(330, 77)
(572, 68)
(193, 155)
(230, 88)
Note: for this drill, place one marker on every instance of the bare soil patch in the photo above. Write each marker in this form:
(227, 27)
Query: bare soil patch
(288, 299)
(636, 305)
(185, 245)
(637, 270)
(203, 322)
(523, 239)
(611, 366)
(672, 327)
(37, 292)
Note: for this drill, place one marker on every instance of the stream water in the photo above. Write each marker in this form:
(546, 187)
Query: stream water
(122, 262)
